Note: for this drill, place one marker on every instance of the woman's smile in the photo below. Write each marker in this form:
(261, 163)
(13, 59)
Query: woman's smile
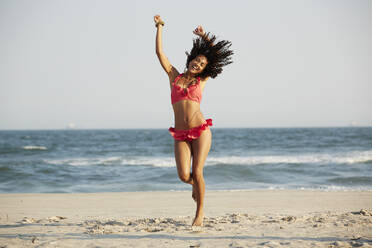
(198, 64)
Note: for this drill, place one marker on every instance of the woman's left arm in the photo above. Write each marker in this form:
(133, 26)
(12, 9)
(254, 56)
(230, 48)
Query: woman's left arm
(199, 31)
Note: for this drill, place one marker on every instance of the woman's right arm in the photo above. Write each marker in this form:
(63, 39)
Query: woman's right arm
(168, 68)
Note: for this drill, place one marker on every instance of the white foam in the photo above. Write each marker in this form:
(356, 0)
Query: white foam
(344, 158)
(149, 161)
(334, 188)
(34, 147)
(341, 158)
(152, 161)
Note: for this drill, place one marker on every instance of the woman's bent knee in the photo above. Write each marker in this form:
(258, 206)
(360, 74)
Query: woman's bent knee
(185, 177)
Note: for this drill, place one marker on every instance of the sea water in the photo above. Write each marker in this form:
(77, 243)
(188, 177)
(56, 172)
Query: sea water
(65, 161)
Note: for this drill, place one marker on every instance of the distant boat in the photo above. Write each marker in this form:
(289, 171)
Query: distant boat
(354, 124)
(71, 126)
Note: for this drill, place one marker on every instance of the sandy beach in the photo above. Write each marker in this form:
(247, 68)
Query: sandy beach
(260, 218)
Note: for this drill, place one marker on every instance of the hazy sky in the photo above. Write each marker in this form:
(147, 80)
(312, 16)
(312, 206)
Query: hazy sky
(93, 63)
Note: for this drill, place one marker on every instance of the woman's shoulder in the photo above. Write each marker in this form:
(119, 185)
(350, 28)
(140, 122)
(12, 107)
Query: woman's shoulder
(203, 81)
(173, 74)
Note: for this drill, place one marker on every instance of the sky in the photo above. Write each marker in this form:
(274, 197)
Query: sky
(92, 64)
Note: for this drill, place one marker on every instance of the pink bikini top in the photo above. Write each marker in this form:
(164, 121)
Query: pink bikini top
(193, 92)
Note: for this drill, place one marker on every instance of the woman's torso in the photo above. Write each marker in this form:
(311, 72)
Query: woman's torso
(187, 111)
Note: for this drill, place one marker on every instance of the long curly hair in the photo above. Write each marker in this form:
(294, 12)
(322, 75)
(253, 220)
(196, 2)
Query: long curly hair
(218, 55)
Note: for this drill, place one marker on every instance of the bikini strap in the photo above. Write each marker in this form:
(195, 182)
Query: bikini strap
(178, 77)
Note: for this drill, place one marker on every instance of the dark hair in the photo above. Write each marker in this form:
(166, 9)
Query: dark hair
(218, 55)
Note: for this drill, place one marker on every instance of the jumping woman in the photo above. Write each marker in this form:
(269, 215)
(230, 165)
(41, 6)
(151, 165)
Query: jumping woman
(191, 133)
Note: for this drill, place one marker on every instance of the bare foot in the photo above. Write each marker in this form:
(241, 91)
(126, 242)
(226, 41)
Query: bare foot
(198, 221)
(194, 192)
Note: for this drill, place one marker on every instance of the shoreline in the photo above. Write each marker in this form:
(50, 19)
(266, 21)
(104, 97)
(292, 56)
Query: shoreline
(249, 218)
(331, 189)
(216, 202)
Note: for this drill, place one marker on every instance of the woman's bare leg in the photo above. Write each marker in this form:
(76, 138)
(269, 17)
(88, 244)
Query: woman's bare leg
(182, 153)
(200, 150)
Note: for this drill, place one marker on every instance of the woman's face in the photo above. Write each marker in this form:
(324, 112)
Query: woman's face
(197, 65)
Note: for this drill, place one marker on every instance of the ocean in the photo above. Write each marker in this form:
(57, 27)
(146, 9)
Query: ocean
(72, 161)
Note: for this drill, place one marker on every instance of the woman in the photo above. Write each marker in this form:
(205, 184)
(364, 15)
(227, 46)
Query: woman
(192, 136)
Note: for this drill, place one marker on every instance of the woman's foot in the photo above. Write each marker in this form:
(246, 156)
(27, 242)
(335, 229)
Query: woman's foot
(198, 221)
(194, 192)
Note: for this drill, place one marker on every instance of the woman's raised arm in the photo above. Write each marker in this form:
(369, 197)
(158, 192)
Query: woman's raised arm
(168, 68)
(199, 31)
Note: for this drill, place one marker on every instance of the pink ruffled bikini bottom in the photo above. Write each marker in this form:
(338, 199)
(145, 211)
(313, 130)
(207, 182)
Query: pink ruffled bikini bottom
(190, 134)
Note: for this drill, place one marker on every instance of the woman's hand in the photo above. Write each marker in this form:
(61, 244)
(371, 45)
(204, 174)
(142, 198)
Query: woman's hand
(158, 20)
(199, 31)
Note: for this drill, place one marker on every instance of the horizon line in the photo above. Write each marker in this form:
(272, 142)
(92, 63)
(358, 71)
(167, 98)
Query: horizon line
(133, 128)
